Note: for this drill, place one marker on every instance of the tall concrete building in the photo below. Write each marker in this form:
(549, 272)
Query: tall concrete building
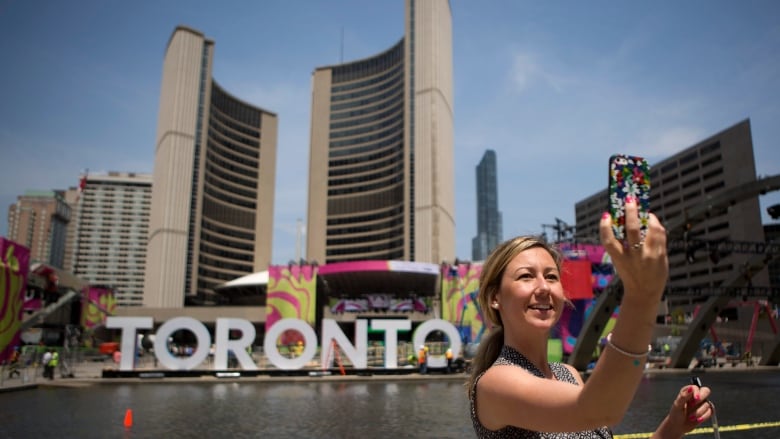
(489, 222)
(213, 183)
(685, 180)
(108, 232)
(39, 221)
(381, 182)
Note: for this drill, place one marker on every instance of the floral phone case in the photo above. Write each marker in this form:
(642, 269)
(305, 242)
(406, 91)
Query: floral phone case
(628, 175)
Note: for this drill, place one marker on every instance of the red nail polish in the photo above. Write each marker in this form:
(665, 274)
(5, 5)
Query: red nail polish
(692, 418)
(699, 420)
(696, 398)
(690, 389)
(605, 215)
(629, 199)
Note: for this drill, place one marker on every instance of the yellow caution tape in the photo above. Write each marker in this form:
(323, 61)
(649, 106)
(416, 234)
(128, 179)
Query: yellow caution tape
(704, 430)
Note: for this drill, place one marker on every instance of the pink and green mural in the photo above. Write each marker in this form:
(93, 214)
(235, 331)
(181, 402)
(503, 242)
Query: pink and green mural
(14, 265)
(97, 303)
(459, 289)
(291, 294)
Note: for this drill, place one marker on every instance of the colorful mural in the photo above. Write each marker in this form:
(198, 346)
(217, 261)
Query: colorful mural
(291, 294)
(601, 273)
(459, 289)
(14, 266)
(97, 303)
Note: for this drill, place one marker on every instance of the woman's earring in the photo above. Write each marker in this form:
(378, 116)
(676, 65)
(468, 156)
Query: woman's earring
(495, 305)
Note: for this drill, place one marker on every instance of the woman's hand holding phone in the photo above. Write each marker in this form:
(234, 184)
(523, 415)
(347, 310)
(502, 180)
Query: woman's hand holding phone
(637, 246)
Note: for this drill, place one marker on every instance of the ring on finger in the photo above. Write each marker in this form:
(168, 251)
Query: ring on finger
(638, 245)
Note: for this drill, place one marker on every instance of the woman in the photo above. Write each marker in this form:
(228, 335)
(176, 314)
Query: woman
(515, 392)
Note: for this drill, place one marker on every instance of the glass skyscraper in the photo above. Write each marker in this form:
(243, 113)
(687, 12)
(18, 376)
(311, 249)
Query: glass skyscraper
(489, 222)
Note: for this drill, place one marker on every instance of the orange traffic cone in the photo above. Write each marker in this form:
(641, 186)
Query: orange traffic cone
(128, 418)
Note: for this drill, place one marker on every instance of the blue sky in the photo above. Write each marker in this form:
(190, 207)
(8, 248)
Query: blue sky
(553, 87)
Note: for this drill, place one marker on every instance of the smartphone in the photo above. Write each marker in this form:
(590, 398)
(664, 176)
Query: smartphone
(628, 175)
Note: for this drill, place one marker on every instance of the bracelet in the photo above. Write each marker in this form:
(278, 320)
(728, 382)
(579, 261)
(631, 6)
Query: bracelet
(626, 353)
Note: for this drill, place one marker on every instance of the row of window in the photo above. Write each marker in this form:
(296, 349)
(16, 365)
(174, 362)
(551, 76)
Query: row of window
(379, 201)
(397, 70)
(377, 235)
(378, 107)
(236, 109)
(392, 121)
(242, 151)
(390, 131)
(396, 84)
(393, 142)
(688, 158)
(398, 108)
(393, 179)
(227, 182)
(379, 219)
(225, 210)
(390, 96)
(249, 132)
(360, 247)
(215, 198)
(358, 166)
(396, 169)
(369, 67)
(395, 153)
(231, 162)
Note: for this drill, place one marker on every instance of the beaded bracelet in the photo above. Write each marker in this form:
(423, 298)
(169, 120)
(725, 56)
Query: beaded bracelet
(633, 355)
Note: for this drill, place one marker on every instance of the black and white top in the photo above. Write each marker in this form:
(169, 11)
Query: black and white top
(510, 356)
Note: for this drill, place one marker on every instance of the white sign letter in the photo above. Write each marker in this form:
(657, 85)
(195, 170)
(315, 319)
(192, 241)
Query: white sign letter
(309, 337)
(358, 354)
(238, 346)
(161, 343)
(448, 328)
(391, 328)
(127, 346)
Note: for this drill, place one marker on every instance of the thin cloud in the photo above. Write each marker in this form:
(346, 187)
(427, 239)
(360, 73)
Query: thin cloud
(668, 141)
(528, 71)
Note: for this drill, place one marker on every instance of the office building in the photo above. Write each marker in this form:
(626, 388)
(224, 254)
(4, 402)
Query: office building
(211, 217)
(686, 180)
(39, 221)
(381, 184)
(489, 223)
(109, 231)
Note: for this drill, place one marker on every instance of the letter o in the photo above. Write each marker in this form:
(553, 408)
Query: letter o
(161, 343)
(310, 346)
(448, 328)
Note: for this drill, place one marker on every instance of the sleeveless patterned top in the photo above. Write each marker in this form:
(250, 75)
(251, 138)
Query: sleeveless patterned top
(510, 356)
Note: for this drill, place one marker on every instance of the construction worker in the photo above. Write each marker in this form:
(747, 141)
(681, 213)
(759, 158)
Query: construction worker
(55, 360)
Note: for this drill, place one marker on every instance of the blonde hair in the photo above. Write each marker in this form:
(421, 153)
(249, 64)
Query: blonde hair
(489, 284)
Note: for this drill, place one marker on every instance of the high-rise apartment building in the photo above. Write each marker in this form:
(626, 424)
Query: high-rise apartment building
(39, 221)
(381, 161)
(213, 183)
(685, 180)
(489, 223)
(108, 232)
